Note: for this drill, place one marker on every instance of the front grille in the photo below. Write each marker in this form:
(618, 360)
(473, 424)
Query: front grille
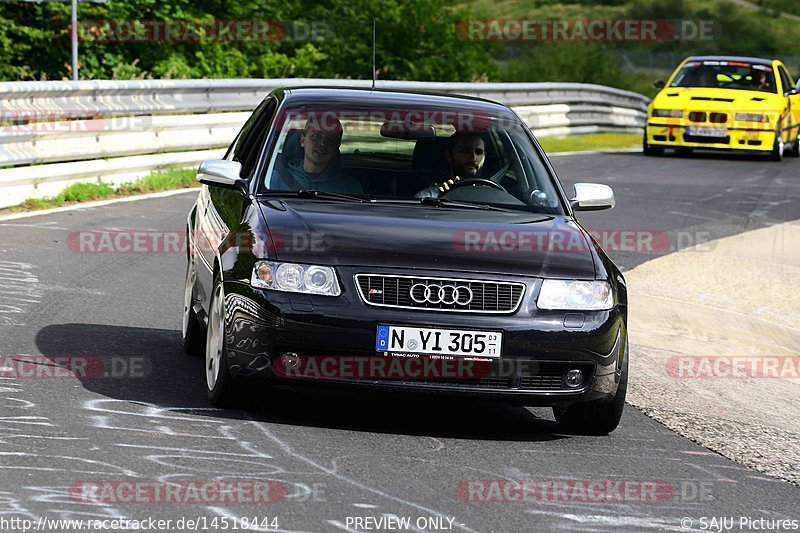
(395, 291)
(697, 116)
(525, 375)
(706, 140)
(718, 118)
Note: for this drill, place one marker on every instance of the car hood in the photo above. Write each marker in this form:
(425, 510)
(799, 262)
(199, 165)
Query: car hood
(714, 99)
(425, 237)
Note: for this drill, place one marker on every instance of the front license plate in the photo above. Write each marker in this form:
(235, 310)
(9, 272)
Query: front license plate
(700, 131)
(430, 341)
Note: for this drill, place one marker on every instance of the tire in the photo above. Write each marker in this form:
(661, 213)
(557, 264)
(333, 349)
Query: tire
(220, 386)
(794, 151)
(193, 334)
(649, 150)
(777, 148)
(596, 418)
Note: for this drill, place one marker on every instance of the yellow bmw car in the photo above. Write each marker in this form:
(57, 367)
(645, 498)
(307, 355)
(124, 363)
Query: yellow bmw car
(726, 103)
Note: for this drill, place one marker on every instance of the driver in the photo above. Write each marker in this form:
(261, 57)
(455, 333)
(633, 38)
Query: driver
(466, 154)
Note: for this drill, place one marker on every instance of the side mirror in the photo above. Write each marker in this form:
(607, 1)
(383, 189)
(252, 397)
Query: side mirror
(660, 84)
(791, 92)
(592, 197)
(222, 173)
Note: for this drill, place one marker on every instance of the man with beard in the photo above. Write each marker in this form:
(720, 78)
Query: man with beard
(466, 154)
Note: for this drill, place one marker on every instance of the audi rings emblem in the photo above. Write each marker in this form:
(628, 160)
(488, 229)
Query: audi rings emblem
(441, 294)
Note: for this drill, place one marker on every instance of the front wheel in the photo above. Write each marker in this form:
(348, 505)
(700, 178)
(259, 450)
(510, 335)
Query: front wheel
(650, 150)
(193, 335)
(219, 383)
(794, 151)
(596, 418)
(777, 148)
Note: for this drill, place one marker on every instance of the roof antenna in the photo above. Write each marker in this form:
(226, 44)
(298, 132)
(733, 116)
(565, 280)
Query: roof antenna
(374, 73)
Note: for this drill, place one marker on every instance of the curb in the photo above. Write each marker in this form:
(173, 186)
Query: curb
(99, 203)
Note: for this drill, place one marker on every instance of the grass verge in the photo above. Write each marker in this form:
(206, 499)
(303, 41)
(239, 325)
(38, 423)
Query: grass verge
(591, 141)
(170, 178)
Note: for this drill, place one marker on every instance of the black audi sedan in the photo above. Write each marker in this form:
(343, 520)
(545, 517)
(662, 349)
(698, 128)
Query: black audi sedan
(401, 241)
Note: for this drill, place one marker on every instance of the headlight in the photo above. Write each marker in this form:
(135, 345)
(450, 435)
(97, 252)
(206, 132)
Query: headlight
(575, 295)
(292, 277)
(668, 113)
(750, 117)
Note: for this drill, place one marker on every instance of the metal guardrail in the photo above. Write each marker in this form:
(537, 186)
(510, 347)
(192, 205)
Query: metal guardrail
(56, 133)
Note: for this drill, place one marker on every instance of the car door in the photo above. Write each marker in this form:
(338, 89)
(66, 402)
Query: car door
(792, 117)
(220, 210)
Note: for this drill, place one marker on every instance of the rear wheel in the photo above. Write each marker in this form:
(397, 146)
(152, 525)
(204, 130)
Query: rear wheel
(219, 383)
(596, 418)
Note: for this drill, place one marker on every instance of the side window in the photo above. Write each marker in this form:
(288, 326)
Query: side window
(786, 80)
(250, 142)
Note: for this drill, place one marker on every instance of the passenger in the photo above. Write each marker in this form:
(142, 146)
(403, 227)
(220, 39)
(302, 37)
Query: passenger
(318, 170)
(466, 154)
(707, 78)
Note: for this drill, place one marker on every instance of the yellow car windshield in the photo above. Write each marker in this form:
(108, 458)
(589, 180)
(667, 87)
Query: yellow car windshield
(726, 75)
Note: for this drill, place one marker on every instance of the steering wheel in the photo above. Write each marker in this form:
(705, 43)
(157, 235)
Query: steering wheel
(475, 181)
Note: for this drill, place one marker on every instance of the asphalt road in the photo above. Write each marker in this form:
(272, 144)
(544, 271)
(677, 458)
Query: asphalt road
(341, 457)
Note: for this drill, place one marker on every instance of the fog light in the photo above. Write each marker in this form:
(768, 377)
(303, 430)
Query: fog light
(290, 360)
(574, 378)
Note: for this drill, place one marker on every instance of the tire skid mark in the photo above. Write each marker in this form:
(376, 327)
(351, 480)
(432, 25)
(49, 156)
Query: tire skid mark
(19, 291)
(289, 451)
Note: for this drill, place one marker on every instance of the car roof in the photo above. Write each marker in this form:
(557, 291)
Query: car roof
(390, 98)
(743, 59)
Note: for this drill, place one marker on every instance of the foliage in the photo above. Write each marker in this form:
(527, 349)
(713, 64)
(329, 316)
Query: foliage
(591, 141)
(417, 39)
(170, 178)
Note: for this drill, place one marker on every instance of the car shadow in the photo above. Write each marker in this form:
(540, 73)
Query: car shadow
(148, 365)
(714, 156)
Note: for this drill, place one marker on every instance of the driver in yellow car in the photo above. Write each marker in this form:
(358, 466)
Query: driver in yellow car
(466, 154)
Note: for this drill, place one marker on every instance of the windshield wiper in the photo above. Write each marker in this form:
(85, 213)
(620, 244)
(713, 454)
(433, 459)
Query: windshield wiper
(445, 202)
(314, 193)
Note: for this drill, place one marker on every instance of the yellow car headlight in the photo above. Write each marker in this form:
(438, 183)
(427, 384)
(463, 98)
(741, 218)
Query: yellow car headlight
(751, 117)
(668, 113)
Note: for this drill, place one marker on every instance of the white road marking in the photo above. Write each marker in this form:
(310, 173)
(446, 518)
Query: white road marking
(36, 226)
(682, 214)
(90, 205)
(289, 451)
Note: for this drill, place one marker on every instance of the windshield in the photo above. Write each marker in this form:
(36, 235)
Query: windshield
(726, 75)
(410, 156)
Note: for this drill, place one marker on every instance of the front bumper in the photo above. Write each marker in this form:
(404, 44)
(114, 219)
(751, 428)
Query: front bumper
(675, 135)
(539, 347)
